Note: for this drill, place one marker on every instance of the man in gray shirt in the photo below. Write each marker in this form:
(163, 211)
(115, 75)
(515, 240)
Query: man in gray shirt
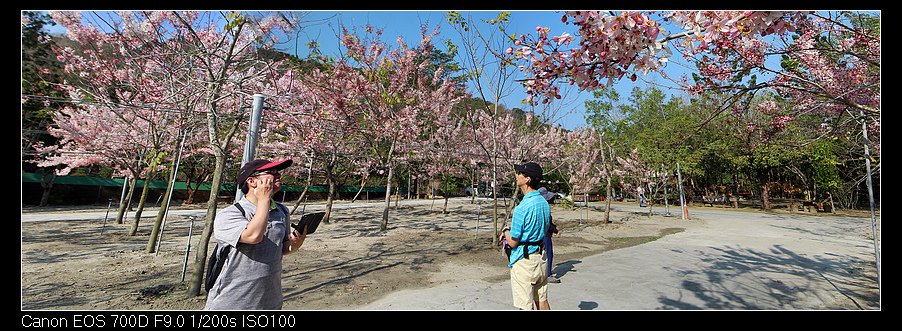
(251, 277)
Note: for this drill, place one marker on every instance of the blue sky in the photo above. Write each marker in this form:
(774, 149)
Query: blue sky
(407, 24)
(322, 26)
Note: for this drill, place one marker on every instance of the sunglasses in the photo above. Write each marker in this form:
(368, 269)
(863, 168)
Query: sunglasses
(275, 174)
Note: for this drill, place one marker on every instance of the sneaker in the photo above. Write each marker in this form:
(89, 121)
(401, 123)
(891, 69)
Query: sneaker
(552, 279)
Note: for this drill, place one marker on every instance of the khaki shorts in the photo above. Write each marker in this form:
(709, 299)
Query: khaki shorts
(529, 283)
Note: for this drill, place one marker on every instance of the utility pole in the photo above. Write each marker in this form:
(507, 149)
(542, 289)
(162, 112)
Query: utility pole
(867, 162)
(253, 132)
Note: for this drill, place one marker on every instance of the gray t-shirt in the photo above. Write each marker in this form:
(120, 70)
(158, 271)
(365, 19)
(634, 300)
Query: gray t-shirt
(251, 277)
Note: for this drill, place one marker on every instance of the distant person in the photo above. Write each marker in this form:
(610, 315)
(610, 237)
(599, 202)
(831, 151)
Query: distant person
(552, 230)
(641, 192)
(251, 278)
(529, 227)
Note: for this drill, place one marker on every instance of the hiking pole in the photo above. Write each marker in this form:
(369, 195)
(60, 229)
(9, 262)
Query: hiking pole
(187, 249)
(105, 216)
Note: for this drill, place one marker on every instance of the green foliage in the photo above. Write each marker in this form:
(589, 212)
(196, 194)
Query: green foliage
(566, 203)
(41, 71)
(233, 20)
(451, 183)
(503, 17)
(451, 70)
(455, 18)
(600, 110)
(823, 158)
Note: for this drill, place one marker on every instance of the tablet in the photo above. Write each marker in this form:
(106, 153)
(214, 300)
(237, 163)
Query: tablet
(311, 220)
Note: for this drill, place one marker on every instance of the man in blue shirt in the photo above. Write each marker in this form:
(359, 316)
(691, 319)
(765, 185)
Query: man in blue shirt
(529, 225)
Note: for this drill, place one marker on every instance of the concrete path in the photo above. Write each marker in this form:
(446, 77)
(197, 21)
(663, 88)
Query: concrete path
(737, 260)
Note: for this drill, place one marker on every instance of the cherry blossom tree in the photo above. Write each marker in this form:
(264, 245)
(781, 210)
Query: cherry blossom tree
(582, 156)
(829, 63)
(114, 79)
(445, 142)
(320, 112)
(217, 66)
(398, 89)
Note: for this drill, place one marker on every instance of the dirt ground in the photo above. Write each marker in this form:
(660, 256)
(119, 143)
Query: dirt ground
(345, 264)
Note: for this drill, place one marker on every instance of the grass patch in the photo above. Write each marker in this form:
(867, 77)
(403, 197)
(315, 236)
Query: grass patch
(623, 242)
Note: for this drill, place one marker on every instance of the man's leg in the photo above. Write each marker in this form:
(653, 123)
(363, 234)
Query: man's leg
(521, 286)
(543, 305)
(541, 287)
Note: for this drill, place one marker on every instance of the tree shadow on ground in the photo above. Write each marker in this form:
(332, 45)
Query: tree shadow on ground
(788, 279)
(399, 258)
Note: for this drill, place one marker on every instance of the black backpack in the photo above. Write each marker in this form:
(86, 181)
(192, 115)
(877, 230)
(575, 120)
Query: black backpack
(217, 259)
(219, 255)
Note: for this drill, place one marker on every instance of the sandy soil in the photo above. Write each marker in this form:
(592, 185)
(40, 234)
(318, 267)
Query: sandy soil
(345, 264)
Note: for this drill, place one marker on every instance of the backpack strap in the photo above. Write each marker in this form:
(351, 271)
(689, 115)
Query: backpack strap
(241, 209)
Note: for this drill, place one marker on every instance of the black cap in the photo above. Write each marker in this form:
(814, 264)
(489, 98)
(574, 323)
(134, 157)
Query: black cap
(531, 170)
(258, 165)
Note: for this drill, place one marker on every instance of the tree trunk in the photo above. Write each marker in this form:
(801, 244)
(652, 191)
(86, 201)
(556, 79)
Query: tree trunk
(120, 215)
(610, 193)
(190, 199)
(384, 225)
(306, 187)
(473, 190)
(134, 229)
(46, 186)
(200, 257)
(191, 191)
(398, 193)
(764, 182)
(417, 184)
(362, 183)
(735, 190)
(155, 231)
(330, 179)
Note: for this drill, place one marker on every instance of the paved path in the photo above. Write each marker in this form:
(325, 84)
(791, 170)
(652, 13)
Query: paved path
(737, 260)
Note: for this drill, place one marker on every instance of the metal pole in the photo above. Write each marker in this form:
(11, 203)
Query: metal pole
(685, 214)
(867, 162)
(178, 159)
(253, 132)
(476, 233)
(187, 249)
(408, 184)
(122, 196)
(105, 216)
(664, 181)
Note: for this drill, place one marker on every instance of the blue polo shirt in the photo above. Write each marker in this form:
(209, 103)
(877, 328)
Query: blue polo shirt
(530, 223)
